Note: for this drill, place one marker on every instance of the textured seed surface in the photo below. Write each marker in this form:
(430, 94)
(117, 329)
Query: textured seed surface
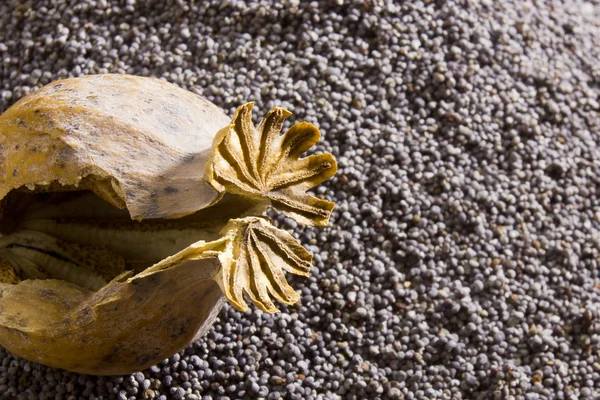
(462, 257)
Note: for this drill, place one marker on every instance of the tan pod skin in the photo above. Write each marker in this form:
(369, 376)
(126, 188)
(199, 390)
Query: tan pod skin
(132, 209)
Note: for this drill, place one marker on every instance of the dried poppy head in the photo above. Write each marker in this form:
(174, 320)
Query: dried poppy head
(132, 208)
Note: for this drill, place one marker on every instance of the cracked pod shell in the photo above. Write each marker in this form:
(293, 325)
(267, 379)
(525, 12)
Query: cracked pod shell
(159, 153)
(124, 327)
(136, 142)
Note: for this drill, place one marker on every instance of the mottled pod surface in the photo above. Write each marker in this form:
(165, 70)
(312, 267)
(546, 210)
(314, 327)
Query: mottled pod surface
(132, 209)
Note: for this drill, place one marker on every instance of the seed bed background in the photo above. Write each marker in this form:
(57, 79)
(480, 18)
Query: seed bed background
(462, 259)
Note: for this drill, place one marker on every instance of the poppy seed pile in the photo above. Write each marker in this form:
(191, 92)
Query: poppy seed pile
(462, 260)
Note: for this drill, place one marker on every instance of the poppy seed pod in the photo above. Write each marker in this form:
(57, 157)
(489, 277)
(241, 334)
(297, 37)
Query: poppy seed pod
(131, 209)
